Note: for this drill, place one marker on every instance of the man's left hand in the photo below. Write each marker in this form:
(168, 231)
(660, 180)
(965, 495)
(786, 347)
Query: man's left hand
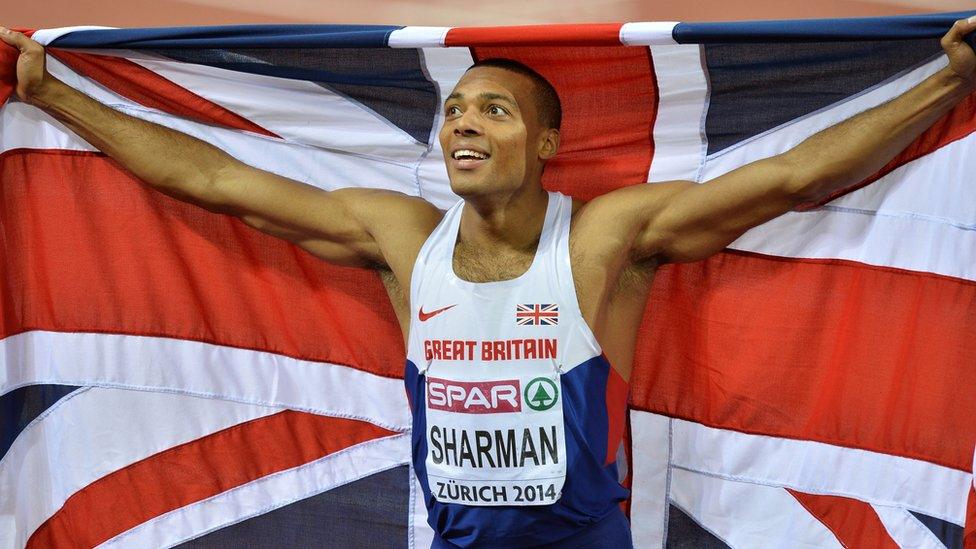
(962, 58)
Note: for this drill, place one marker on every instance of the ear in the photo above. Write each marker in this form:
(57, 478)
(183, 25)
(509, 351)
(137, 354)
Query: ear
(549, 144)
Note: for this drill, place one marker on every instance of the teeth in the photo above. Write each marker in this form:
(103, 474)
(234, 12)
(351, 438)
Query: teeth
(469, 154)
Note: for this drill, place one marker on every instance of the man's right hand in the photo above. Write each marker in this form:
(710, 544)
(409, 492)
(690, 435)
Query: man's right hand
(31, 72)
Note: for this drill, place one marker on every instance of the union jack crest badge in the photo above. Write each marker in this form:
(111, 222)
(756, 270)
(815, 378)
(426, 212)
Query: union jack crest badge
(537, 314)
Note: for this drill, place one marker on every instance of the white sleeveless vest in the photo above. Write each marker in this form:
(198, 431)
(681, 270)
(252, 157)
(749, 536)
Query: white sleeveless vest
(492, 356)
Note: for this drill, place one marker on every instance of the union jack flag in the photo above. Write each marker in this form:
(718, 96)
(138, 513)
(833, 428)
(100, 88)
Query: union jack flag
(191, 367)
(537, 314)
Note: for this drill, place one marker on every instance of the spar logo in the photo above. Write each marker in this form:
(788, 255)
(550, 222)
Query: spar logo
(541, 394)
(474, 397)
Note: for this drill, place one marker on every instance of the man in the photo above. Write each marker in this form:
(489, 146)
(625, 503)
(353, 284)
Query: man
(515, 430)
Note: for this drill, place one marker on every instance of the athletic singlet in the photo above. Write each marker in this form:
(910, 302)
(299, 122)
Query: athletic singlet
(517, 415)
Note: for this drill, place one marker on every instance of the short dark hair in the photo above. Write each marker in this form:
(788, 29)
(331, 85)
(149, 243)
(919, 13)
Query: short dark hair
(546, 97)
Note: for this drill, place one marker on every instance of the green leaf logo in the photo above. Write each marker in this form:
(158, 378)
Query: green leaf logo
(541, 394)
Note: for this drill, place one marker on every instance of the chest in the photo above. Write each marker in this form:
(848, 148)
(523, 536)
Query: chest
(491, 264)
(604, 279)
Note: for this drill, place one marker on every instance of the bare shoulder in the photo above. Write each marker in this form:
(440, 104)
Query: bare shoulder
(615, 219)
(398, 223)
(383, 210)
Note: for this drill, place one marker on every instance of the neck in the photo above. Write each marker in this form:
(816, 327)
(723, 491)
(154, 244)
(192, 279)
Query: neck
(514, 221)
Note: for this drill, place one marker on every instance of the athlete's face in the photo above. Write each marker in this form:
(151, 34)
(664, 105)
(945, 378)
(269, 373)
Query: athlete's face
(492, 139)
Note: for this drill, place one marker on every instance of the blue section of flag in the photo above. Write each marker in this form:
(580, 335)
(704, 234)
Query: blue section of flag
(755, 88)
(683, 532)
(819, 30)
(21, 406)
(369, 512)
(232, 36)
(948, 533)
(390, 82)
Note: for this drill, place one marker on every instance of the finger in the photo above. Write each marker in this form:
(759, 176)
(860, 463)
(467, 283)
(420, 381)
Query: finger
(961, 31)
(969, 36)
(14, 38)
(962, 27)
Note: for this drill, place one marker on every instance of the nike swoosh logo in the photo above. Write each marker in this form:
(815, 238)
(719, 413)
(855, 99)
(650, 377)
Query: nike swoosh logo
(424, 317)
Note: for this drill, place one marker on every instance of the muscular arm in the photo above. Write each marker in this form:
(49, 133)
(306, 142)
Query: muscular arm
(348, 227)
(682, 221)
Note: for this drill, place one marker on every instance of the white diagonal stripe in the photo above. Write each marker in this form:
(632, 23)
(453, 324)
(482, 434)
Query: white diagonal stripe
(905, 529)
(202, 369)
(298, 110)
(818, 468)
(748, 515)
(919, 217)
(53, 458)
(267, 494)
(324, 168)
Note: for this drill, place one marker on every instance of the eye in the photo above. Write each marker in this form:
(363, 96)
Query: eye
(452, 110)
(496, 110)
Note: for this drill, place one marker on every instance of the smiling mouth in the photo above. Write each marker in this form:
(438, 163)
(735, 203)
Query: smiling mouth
(468, 154)
(467, 159)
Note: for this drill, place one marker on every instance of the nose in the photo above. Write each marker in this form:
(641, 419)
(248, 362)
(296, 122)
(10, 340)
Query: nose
(468, 124)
